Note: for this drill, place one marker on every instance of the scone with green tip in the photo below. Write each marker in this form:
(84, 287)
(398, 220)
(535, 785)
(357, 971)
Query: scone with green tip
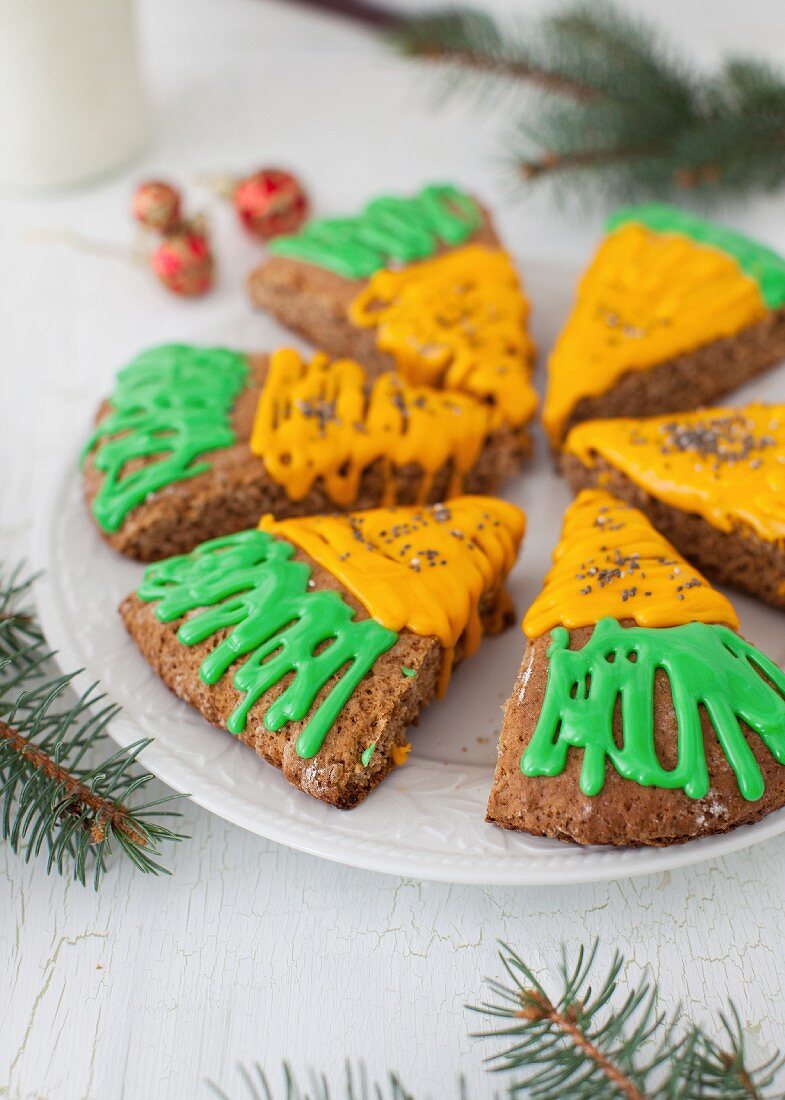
(640, 715)
(197, 442)
(672, 313)
(318, 641)
(418, 284)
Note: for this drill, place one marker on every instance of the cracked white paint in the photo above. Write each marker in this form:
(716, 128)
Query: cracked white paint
(250, 951)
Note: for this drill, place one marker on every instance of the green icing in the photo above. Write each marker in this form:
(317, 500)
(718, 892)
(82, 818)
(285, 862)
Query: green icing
(755, 260)
(708, 666)
(389, 229)
(172, 402)
(410, 673)
(248, 584)
(368, 754)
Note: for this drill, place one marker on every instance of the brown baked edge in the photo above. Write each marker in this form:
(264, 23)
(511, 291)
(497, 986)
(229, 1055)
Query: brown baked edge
(381, 710)
(623, 813)
(688, 381)
(739, 558)
(313, 303)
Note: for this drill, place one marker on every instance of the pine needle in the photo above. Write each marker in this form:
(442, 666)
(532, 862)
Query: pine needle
(601, 105)
(592, 1041)
(56, 803)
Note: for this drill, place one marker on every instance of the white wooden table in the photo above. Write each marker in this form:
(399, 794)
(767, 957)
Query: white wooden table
(251, 951)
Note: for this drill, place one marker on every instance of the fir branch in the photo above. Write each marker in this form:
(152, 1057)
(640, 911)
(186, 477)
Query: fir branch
(615, 110)
(577, 1042)
(471, 40)
(589, 158)
(589, 1045)
(721, 1069)
(51, 798)
(77, 795)
(539, 1009)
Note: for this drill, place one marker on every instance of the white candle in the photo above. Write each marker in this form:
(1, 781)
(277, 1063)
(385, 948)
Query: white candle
(71, 101)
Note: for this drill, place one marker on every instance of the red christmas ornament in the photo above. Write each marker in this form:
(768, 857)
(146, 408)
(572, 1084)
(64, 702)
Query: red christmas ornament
(184, 263)
(270, 202)
(156, 205)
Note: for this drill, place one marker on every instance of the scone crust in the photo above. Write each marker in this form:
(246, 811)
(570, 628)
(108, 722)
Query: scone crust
(739, 558)
(236, 490)
(696, 378)
(623, 813)
(381, 710)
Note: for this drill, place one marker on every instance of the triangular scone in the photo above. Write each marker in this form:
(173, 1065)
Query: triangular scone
(319, 640)
(672, 313)
(640, 715)
(199, 442)
(419, 285)
(713, 482)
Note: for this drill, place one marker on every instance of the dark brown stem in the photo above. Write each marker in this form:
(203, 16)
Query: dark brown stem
(539, 1008)
(512, 70)
(744, 1078)
(688, 178)
(107, 813)
(17, 617)
(371, 15)
(592, 158)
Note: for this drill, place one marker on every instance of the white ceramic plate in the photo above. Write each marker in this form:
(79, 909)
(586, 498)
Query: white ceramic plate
(426, 820)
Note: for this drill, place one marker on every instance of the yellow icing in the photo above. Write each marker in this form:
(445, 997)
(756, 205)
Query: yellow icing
(323, 419)
(611, 562)
(400, 753)
(419, 569)
(459, 322)
(646, 298)
(726, 465)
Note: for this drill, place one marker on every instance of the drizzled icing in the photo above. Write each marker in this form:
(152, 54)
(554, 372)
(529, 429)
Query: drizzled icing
(648, 296)
(726, 465)
(249, 585)
(456, 321)
(390, 229)
(610, 562)
(707, 666)
(418, 569)
(755, 260)
(325, 420)
(171, 404)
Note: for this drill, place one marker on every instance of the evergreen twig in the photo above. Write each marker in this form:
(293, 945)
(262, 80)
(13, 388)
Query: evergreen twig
(52, 799)
(472, 40)
(616, 110)
(590, 1045)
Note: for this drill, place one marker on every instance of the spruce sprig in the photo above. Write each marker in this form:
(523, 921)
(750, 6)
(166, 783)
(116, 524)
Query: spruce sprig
(618, 111)
(54, 799)
(594, 1040)
(578, 1042)
(598, 102)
